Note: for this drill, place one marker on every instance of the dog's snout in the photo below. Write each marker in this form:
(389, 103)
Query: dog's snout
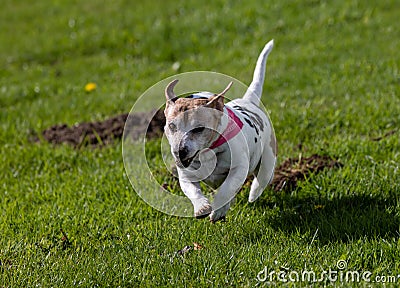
(183, 153)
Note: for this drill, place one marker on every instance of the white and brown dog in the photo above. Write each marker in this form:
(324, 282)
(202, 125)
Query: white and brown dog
(221, 143)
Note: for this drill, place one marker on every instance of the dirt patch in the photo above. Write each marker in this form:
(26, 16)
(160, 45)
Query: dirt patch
(101, 133)
(293, 170)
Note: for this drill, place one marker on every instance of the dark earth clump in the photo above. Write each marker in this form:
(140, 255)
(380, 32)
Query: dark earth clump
(293, 170)
(101, 133)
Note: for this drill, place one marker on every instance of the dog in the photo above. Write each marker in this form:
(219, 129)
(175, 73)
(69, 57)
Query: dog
(221, 143)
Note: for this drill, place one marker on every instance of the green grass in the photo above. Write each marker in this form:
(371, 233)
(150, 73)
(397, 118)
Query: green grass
(70, 217)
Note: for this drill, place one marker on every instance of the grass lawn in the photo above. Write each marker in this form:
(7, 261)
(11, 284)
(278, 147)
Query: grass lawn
(69, 217)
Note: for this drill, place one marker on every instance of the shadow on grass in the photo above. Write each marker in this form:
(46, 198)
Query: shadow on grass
(346, 218)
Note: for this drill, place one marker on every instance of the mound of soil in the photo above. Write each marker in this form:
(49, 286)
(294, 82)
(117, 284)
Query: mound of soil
(293, 170)
(101, 133)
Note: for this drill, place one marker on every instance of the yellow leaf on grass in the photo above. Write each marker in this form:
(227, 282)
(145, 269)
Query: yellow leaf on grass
(89, 87)
(197, 246)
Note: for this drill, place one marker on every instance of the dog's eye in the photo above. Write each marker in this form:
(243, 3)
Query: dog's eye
(172, 127)
(198, 130)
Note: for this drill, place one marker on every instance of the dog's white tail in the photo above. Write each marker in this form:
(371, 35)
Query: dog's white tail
(253, 93)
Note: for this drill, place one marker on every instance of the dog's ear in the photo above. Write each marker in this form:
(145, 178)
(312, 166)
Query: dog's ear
(217, 101)
(169, 92)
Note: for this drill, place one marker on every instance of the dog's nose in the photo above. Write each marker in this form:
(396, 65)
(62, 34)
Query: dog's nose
(183, 153)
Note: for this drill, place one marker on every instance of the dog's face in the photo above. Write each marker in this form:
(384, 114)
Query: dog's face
(191, 124)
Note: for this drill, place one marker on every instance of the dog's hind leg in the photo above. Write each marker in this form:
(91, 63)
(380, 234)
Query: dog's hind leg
(253, 93)
(265, 172)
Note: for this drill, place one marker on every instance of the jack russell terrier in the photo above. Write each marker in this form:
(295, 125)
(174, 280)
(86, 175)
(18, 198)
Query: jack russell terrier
(221, 143)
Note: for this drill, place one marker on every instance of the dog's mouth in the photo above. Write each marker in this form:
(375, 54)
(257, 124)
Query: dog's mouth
(187, 161)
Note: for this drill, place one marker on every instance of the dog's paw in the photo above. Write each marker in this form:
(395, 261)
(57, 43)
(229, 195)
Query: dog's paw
(219, 215)
(203, 211)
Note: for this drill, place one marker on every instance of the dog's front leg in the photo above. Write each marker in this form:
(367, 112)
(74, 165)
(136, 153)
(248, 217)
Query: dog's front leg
(201, 205)
(227, 192)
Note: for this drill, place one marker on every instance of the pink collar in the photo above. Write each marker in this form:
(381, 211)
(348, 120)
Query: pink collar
(232, 129)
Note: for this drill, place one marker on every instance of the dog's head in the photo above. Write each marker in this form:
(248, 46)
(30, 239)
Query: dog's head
(191, 124)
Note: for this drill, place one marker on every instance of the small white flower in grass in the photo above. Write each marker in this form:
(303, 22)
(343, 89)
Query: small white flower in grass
(176, 66)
